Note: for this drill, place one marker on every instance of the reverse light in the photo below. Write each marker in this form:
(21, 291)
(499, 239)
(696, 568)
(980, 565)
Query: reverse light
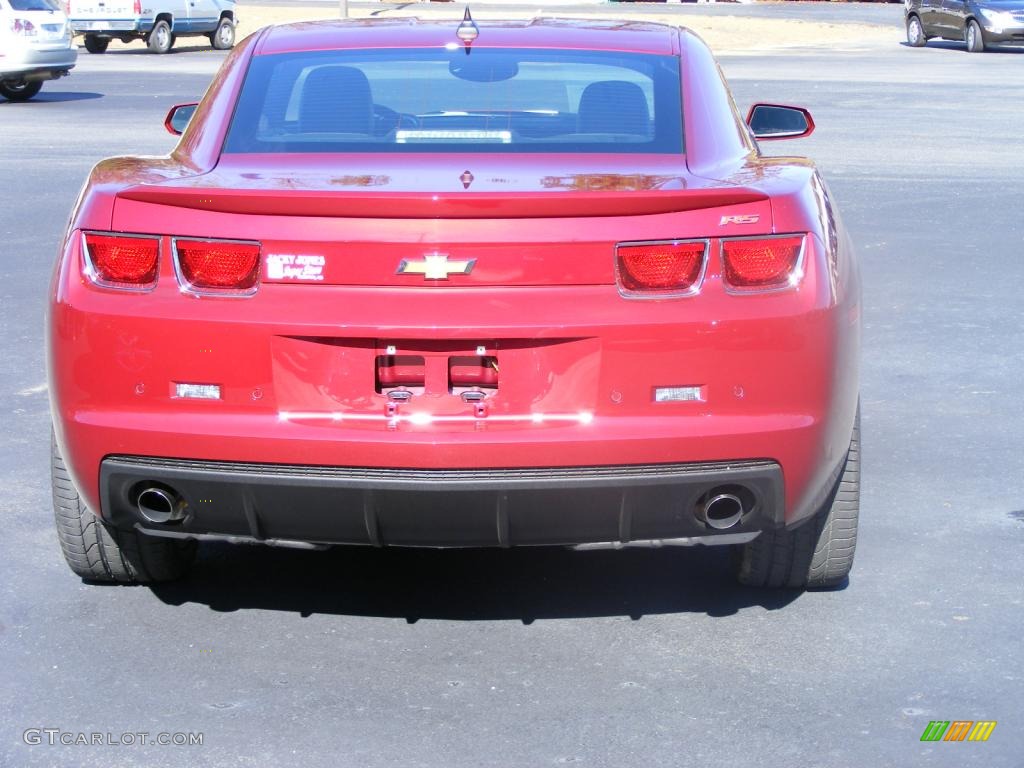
(217, 267)
(762, 263)
(128, 262)
(660, 269)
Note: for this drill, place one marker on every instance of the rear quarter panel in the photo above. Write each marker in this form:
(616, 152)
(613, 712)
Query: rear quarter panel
(720, 147)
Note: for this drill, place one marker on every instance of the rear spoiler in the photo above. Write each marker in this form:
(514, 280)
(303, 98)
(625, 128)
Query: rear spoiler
(447, 205)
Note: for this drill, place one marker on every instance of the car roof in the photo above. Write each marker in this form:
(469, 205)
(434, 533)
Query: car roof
(581, 34)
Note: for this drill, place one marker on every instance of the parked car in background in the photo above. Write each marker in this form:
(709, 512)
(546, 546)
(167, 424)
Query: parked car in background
(35, 46)
(159, 22)
(428, 284)
(978, 23)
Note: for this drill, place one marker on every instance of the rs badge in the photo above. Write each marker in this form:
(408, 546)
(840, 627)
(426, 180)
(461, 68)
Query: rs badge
(743, 218)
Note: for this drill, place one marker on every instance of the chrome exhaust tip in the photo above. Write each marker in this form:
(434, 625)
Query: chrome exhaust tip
(160, 506)
(721, 511)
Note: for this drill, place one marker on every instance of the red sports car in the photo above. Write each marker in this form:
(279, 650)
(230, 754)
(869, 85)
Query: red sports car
(408, 283)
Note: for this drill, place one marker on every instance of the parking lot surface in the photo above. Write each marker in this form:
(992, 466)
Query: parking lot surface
(549, 657)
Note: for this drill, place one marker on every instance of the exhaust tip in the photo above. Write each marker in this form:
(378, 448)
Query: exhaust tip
(160, 506)
(721, 511)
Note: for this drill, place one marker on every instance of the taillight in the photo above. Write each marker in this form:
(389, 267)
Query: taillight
(23, 27)
(121, 261)
(218, 267)
(138, 7)
(762, 263)
(660, 269)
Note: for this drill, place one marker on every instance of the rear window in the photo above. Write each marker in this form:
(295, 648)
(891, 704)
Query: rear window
(445, 100)
(34, 5)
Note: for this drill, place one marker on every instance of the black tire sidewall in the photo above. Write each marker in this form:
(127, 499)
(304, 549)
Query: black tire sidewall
(95, 44)
(154, 36)
(915, 40)
(20, 92)
(979, 41)
(215, 38)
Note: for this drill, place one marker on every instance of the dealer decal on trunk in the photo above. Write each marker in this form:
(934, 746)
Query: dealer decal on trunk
(291, 266)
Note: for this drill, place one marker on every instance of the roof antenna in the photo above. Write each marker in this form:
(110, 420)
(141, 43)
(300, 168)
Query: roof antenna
(467, 30)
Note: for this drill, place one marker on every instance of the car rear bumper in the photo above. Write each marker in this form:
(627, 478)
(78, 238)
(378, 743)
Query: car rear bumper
(113, 27)
(441, 508)
(36, 64)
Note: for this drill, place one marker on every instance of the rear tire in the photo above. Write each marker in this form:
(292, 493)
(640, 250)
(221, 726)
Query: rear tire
(820, 552)
(97, 552)
(975, 42)
(19, 90)
(160, 38)
(96, 44)
(915, 32)
(223, 38)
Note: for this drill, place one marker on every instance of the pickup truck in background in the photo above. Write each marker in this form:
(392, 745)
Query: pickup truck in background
(158, 22)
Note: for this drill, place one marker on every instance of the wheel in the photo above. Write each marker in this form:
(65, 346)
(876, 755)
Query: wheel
(96, 44)
(975, 42)
(97, 552)
(819, 553)
(160, 39)
(915, 32)
(19, 90)
(223, 38)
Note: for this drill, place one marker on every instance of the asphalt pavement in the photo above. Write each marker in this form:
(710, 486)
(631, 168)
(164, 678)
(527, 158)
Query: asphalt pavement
(354, 657)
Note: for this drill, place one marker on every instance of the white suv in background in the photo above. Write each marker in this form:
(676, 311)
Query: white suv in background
(35, 45)
(158, 22)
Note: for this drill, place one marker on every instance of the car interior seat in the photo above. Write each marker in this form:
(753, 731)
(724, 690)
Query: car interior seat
(613, 106)
(336, 100)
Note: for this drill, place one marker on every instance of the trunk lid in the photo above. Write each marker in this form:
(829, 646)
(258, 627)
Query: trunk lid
(101, 9)
(456, 221)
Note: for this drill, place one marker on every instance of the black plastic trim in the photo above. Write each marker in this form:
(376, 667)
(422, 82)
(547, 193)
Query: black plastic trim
(438, 508)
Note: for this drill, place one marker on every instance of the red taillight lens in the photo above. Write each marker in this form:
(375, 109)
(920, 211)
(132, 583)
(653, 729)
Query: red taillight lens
(23, 27)
(654, 269)
(218, 266)
(762, 263)
(122, 261)
(138, 8)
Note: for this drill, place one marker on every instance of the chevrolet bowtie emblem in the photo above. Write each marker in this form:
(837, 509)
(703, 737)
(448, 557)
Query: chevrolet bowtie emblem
(435, 266)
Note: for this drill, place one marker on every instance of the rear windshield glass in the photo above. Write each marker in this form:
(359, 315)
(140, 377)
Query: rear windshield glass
(438, 100)
(34, 5)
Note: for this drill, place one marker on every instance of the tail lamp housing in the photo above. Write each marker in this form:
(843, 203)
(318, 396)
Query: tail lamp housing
(660, 269)
(131, 262)
(24, 28)
(217, 267)
(125, 262)
(762, 263)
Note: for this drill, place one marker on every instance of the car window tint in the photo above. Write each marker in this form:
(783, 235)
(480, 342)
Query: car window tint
(491, 100)
(34, 5)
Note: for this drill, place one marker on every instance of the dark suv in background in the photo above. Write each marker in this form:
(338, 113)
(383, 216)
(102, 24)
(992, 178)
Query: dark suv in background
(979, 23)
